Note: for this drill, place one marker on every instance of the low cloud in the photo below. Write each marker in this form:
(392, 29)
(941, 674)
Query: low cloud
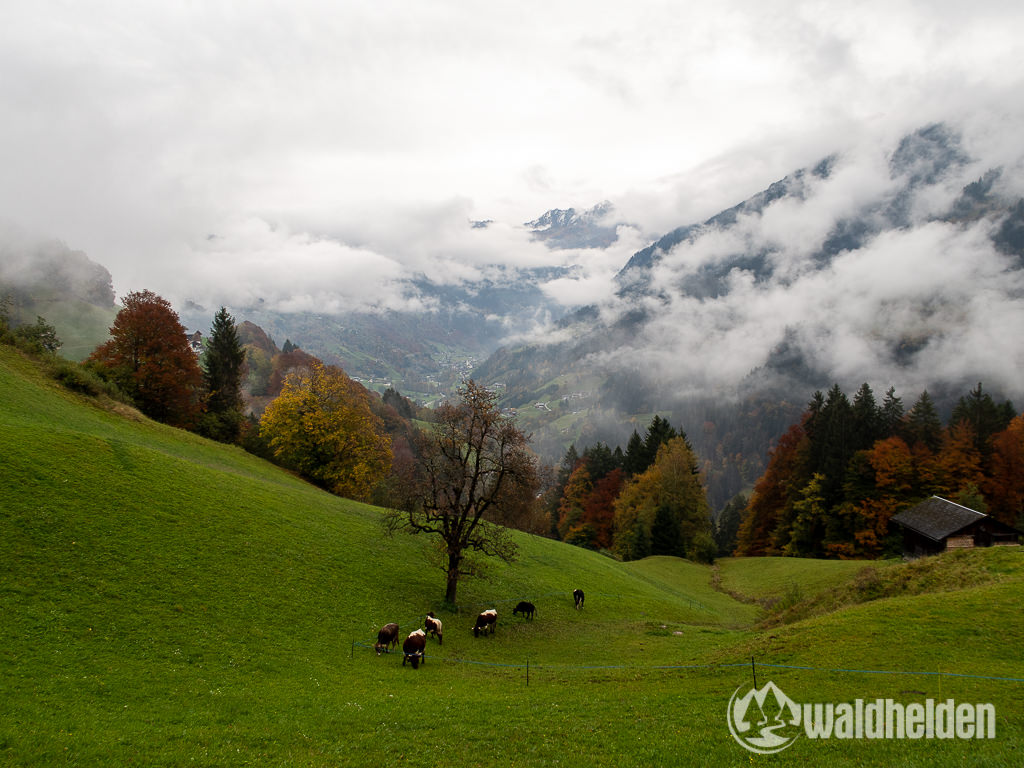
(363, 265)
(338, 154)
(591, 279)
(252, 263)
(913, 305)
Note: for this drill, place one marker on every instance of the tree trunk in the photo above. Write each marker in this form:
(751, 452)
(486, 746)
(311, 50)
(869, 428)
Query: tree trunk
(453, 578)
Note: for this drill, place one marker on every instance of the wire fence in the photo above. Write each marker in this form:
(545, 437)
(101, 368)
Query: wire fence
(474, 608)
(753, 664)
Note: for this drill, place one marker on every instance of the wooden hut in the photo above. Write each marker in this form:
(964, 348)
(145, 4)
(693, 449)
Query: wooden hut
(937, 525)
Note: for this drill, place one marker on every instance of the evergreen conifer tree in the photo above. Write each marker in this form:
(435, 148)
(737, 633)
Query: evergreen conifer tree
(866, 426)
(833, 445)
(665, 537)
(986, 418)
(727, 525)
(891, 415)
(658, 433)
(923, 424)
(633, 460)
(222, 364)
(599, 460)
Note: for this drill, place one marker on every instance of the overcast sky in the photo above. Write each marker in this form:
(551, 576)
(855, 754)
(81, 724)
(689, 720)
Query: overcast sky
(315, 153)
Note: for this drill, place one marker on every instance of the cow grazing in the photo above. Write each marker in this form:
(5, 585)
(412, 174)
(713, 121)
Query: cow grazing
(387, 637)
(433, 625)
(485, 622)
(578, 596)
(525, 608)
(413, 648)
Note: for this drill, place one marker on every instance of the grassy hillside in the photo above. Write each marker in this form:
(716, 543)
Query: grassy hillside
(781, 582)
(170, 601)
(80, 326)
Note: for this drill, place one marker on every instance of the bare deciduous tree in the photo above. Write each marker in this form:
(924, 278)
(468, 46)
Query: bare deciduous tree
(474, 472)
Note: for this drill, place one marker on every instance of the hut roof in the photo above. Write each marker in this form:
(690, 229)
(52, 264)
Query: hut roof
(937, 518)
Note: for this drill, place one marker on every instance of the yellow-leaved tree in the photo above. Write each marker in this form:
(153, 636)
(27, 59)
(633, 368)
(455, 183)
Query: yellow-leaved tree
(321, 426)
(664, 510)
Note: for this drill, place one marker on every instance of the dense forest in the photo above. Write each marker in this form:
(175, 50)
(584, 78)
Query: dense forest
(836, 477)
(648, 499)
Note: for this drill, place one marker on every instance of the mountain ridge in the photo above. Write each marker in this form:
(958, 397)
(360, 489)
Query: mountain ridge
(568, 228)
(687, 309)
(743, 314)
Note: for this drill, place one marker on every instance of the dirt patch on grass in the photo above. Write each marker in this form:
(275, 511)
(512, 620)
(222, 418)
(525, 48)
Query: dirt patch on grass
(121, 409)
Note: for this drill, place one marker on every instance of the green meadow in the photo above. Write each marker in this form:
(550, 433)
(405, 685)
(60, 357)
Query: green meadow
(168, 601)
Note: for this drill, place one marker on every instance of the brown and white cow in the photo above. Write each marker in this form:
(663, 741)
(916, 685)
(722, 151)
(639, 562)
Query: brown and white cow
(387, 637)
(413, 648)
(433, 625)
(485, 622)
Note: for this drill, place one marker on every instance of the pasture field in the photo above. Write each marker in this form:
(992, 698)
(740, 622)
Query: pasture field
(80, 326)
(167, 601)
(759, 578)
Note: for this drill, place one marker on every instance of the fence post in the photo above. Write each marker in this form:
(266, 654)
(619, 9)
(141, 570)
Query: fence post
(753, 671)
(527, 673)
(352, 652)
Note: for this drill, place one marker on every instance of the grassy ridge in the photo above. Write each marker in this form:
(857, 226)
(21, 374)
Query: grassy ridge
(760, 578)
(169, 601)
(954, 571)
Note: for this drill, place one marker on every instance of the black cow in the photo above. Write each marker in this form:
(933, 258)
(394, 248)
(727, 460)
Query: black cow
(433, 625)
(578, 596)
(413, 648)
(388, 636)
(485, 622)
(525, 608)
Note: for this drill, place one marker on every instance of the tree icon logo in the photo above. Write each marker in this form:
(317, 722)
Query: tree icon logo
(770, 725)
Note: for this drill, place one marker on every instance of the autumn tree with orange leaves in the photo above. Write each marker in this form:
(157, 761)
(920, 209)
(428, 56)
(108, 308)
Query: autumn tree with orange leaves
(892, 465)
(1004, 489)
(149, 358)
(771, 499)
(587, 509)
(574, 500)
(599, 509)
